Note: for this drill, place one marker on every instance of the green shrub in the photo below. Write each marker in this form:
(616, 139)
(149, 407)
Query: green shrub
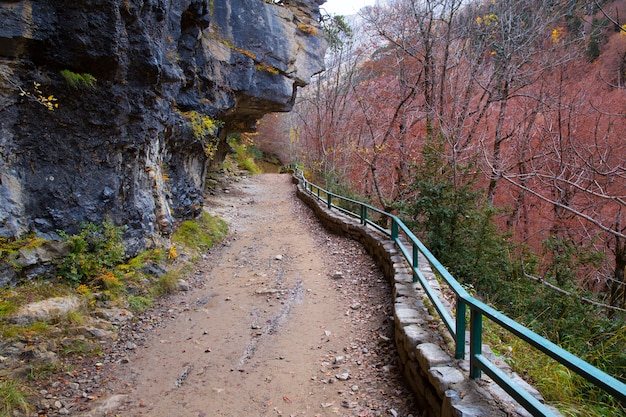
(596, 37)
(15, 331)
(248, 164)
(166, 284)
(456, 222)
(246, 153)
(42, 371)
(246, 158)
(6, 308)
(339, 185)
(92, 251)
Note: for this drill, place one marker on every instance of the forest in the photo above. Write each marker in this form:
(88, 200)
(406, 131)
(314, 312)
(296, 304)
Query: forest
(495, 129)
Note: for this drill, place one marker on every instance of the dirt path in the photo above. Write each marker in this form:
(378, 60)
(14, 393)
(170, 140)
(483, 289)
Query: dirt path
(285, 321)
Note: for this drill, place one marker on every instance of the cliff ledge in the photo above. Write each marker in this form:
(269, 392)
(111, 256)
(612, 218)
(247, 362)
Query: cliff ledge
(128, 77)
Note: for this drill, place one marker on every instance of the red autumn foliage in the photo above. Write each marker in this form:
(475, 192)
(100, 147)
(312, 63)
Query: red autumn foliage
(518, 95)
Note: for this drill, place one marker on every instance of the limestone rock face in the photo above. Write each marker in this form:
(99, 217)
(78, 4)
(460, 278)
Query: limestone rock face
(121, 147)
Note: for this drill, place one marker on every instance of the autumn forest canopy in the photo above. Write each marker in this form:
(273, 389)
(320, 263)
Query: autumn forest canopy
(496, 130)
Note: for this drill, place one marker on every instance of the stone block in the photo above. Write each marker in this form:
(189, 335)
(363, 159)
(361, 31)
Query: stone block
(406, 315)
(413, 377)
(434, 401)
(403, 353)
(441, 377)
(403, 277)
(402, 289)
(415, 336)
(464, 411)
(430, 355)
(390, 246)
(529, 388)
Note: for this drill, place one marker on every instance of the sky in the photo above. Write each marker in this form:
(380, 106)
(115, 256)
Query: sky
(345, 7)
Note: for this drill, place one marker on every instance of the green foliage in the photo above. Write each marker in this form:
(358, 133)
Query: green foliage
(166, 284)
(249, 165)
(83, 347)
(24, 332)
(79, 81)
(92, 251)
(595, 38)
(200, 234)
(205, 130)
(568, 257)
(262, 66)
(599, 342)
(458, 228)
(138, 303)
(336, 30)
(6, 308)
(12, 398)
(456, 221)
(42, 371)
(157, 256)
(336, 184)
(245, 153)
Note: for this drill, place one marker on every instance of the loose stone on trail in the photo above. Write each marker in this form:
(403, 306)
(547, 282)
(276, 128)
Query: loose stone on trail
(337, 275)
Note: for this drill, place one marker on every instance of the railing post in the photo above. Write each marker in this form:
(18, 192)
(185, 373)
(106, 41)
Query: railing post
(394, 229)
(318, 193)
(363, 214)
(476, 341)
(461, 308)
(330, 200)
(415, 262)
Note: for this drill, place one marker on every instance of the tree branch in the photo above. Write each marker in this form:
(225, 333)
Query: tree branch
(565, 207)
(617, 25)
(569, 294)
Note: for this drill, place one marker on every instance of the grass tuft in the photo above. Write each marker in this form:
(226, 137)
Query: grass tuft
(139, 303)
(12, 398)
(79, 81)
(200, 234)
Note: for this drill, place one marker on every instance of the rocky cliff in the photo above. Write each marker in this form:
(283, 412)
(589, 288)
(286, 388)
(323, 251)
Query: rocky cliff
(98, 99)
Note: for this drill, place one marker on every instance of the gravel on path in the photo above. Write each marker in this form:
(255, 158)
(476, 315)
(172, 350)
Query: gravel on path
(282, 318)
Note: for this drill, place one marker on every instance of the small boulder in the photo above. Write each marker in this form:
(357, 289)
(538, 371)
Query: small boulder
(50, 309)
(183, 285)
(46, 252)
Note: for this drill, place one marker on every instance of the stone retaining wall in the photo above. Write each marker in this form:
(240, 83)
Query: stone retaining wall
(441, 383)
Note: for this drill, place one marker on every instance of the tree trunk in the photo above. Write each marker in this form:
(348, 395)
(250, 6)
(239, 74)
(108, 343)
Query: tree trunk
(618, 285)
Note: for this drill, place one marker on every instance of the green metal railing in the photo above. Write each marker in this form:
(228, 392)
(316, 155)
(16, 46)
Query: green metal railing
(457, 327)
